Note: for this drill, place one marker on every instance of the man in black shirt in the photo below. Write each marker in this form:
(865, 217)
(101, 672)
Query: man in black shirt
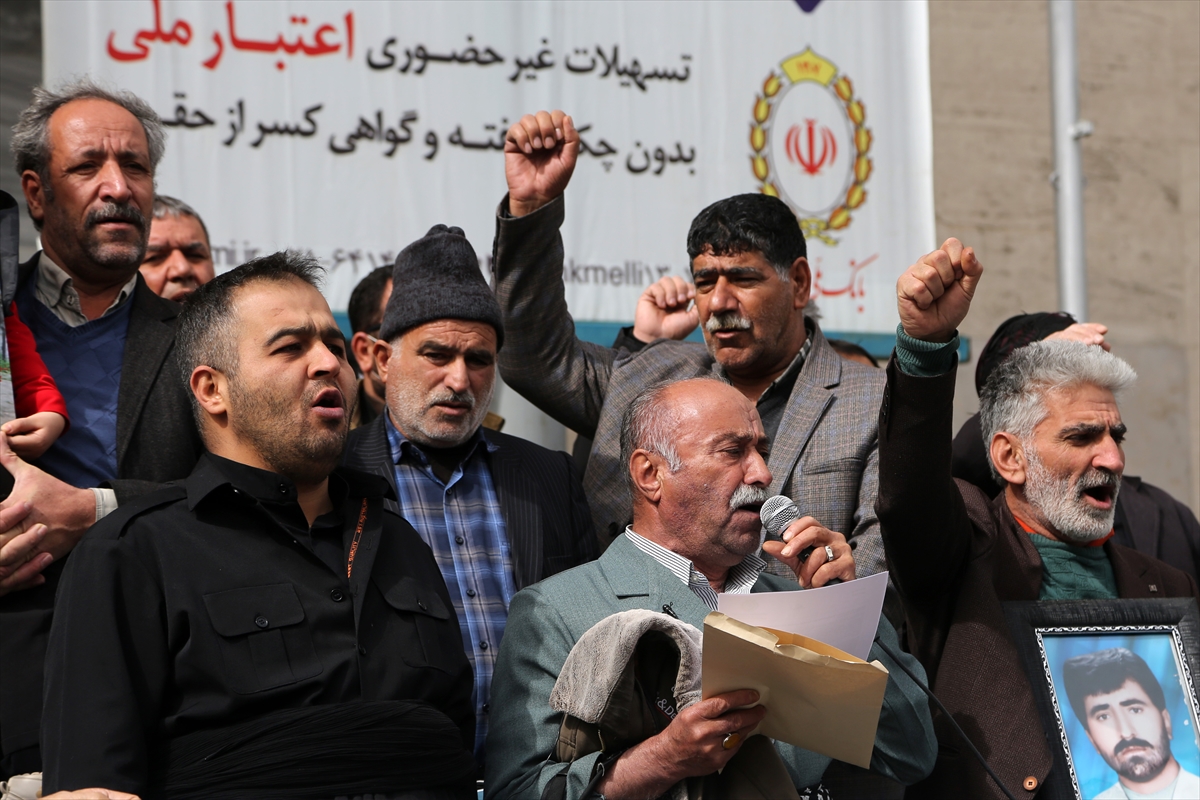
(269, 606)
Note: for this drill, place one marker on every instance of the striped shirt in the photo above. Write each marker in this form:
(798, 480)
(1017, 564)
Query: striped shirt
(738, 581)
(461, 522)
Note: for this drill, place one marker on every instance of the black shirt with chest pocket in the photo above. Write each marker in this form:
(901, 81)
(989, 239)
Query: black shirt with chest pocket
(213, 601)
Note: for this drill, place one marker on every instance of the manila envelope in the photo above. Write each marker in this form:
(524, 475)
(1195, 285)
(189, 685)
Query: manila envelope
(817, 697)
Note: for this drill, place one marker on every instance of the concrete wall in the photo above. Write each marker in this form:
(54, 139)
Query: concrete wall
(1140, 85)
(1139, 66)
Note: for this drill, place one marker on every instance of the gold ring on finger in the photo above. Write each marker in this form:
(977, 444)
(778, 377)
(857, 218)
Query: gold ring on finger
(731, 741)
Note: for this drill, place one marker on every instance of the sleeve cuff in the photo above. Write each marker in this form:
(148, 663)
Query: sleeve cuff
(626, 339)
(923, 359)
(106, 502)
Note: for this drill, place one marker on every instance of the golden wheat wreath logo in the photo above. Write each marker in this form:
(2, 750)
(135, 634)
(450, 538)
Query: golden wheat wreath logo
(810, 145)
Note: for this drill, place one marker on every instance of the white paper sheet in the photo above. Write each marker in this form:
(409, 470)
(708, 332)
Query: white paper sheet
(845, 615)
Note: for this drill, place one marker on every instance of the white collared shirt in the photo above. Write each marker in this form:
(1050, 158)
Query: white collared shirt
(738, 581)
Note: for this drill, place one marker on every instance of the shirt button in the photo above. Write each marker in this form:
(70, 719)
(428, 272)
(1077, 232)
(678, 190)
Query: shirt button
(470, 592)
(459, 539)
(337, 595)
(483, 645)
(485, 708)
(1030, 784)
(283, 488)
(362, 651)
(261, 621)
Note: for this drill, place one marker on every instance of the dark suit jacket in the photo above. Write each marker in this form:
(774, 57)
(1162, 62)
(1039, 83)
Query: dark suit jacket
(546, 516)
(955, 557)
(157, 441)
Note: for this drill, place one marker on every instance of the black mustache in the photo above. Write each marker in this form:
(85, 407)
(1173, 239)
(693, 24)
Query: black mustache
(116, 212)
(1125, 744)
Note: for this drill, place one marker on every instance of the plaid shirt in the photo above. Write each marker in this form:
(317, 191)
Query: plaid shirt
(738, 581)
(461, 522)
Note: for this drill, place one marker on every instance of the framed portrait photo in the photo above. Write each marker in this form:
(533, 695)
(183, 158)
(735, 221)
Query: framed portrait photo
(1115, 682)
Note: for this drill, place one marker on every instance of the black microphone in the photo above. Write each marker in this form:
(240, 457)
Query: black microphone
(776, 514)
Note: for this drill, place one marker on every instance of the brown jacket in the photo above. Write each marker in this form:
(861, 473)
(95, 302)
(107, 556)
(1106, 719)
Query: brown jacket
(956, 557)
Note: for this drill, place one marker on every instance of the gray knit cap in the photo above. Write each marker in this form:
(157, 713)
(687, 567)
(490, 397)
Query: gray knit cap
(438, 277)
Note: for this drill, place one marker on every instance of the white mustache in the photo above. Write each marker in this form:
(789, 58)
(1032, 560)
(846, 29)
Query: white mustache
(1094, 478)
(745, 495)
(454, 397)
(727, 321)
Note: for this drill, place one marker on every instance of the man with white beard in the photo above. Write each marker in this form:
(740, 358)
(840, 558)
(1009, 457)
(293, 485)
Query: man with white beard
(500, 513)
(1053, 431)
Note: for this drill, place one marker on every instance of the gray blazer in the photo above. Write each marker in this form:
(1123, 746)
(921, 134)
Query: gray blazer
(825, 455)
(545, 621)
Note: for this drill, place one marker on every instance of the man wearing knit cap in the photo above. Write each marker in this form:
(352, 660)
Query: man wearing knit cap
(499, 513)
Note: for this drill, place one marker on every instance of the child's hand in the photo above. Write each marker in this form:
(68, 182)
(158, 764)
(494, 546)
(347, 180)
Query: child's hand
(31, 436)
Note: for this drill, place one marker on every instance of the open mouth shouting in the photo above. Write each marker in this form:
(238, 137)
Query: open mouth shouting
(1098, 489)
(329, 404)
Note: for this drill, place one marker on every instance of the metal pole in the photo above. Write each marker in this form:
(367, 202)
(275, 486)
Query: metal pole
(1068, 175)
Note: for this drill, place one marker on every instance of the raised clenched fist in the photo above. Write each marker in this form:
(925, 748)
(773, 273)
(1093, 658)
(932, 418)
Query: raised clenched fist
(934, 294)
(540, 151)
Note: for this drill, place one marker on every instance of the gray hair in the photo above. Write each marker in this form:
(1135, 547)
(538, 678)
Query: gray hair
(31, 135)
(167, 206)
(1013, 399)
(206, 333)
(647, 425)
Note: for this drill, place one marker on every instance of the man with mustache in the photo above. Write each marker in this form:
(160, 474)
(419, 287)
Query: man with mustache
(1147, 518)
(1052, 427)
(86, 157)
(697, 468)
(178, 256)
(1121, 704)
(267, 619)
(499, 512)
(752, 278)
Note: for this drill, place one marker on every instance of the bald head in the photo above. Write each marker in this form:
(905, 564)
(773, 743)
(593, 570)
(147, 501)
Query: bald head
(696, 454)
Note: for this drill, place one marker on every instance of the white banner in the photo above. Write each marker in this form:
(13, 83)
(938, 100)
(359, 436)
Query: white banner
(349, 127)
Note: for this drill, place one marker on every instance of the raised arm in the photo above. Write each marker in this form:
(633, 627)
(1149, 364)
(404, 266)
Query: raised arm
(922, 518)
(542, 358)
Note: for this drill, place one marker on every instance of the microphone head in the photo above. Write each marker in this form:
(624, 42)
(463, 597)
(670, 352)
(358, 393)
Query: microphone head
(777, 513)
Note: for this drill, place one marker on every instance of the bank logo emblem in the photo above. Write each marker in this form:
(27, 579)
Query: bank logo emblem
(802, 147)
(810, 143)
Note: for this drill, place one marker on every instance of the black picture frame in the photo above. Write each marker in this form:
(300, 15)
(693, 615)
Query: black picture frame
(1029, 622)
